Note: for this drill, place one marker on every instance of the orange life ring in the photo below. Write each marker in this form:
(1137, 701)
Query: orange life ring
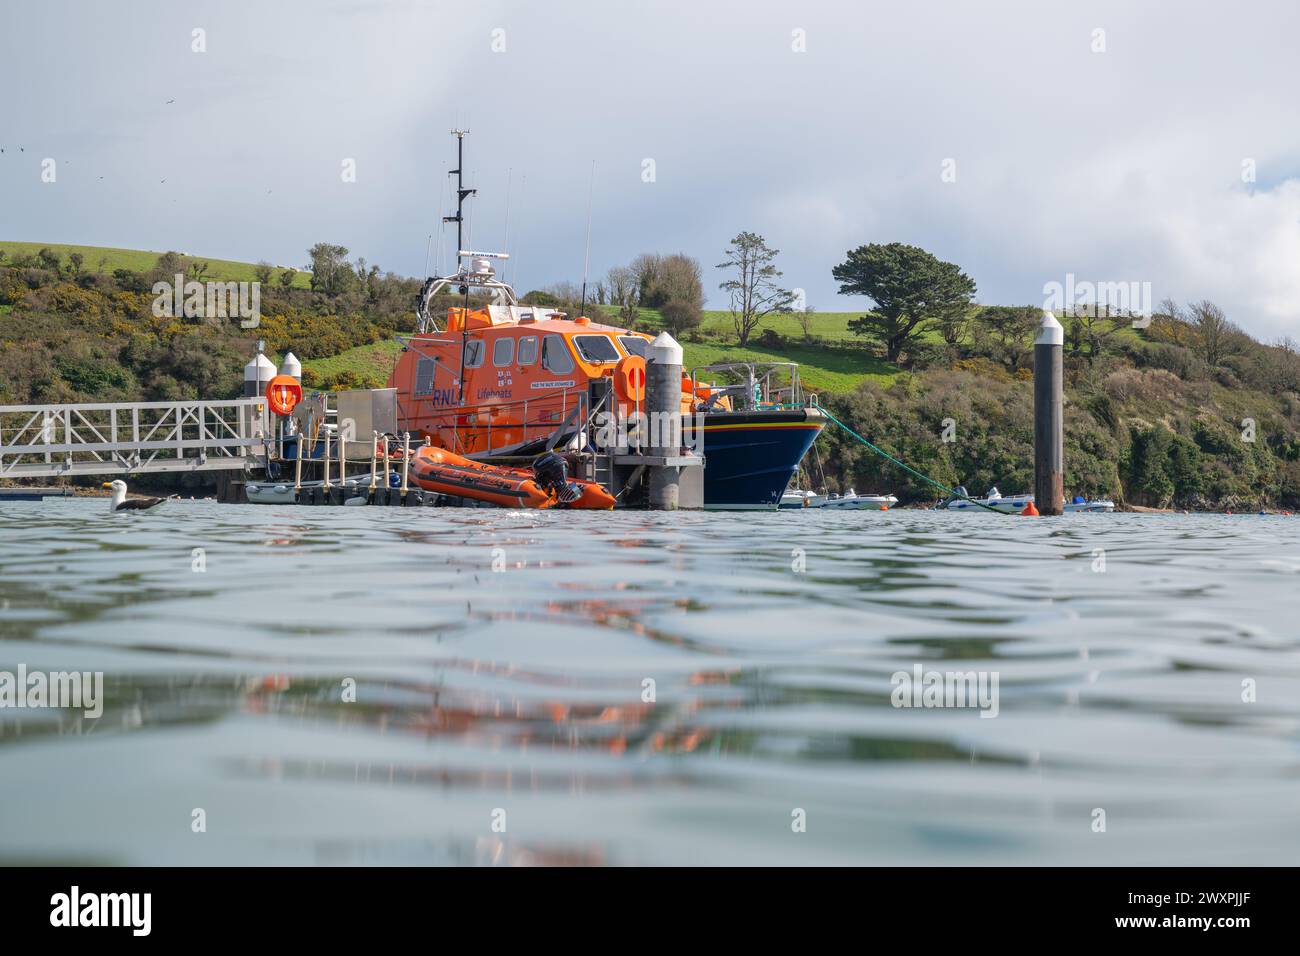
(283, 393)
(629, 378)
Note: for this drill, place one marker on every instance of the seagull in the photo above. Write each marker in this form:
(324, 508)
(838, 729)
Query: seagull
(121, 502)
(170, 101)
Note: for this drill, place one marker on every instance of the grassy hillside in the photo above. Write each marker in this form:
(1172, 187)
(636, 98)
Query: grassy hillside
(365, 366)
(141, 260)
(821, 369)
(831, 326)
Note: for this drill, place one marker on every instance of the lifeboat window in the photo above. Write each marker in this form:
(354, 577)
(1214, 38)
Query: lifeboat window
(633, 345)
(474, 353)
(528, 350)
(555, 357)
(503, 351)
(596, 348)
(424, 370)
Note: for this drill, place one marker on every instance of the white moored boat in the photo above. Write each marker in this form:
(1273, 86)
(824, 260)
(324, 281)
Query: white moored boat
(851, 500)
(801, 499)
(1014, 504)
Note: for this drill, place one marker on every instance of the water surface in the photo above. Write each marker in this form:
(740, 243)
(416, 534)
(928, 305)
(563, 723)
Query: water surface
(502, 660)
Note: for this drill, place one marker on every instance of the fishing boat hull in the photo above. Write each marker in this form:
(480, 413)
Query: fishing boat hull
(752, 455)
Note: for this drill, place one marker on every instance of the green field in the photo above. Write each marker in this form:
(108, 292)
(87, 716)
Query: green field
(821, 369)
(370, 364)
(831, 326)
(139, 260)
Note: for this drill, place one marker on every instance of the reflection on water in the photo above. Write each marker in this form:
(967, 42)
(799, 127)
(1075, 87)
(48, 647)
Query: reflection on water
(344, 686)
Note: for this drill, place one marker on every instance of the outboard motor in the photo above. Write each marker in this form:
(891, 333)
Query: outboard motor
(551, 472)
(958, 494)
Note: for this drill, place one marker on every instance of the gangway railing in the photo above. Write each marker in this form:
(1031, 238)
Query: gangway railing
(108, 438)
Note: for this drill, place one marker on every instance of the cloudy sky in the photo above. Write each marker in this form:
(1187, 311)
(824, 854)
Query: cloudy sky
(821, 125)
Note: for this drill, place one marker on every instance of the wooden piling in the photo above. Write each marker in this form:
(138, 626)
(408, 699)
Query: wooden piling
(1049, 417)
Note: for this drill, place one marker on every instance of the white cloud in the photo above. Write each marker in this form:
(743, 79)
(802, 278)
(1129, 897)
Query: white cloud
(1122, 165)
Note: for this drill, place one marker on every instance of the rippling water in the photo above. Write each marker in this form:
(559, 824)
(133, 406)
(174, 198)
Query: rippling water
(516, 697)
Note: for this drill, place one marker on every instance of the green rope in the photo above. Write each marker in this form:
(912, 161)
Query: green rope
(908, 468)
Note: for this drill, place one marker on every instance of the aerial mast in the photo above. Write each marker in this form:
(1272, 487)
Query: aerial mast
(461, 192)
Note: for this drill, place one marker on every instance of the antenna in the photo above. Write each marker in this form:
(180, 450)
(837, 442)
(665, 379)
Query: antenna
(442, 234)
(461, 191)
(506, 244)
(586, 259)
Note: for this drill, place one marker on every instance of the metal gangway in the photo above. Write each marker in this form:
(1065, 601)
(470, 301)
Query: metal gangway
(132, 438)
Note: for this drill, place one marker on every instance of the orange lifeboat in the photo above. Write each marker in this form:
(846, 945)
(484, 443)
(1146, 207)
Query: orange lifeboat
(547, 485)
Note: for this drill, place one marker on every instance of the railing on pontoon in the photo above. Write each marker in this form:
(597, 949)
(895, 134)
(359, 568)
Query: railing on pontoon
(760, 386)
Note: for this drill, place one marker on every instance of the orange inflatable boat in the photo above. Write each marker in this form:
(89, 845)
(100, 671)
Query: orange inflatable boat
(545, 485)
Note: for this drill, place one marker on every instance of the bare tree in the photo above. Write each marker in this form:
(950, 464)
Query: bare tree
(624, 294)
(754, 291)
(806, 319)
(1093, 327)
(1169, 324)
(1216, 337)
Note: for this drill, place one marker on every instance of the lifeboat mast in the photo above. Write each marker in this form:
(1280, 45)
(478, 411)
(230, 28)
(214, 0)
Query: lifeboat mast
(477, 272)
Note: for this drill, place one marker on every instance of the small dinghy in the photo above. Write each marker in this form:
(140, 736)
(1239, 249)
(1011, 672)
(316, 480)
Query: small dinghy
(282, 493)
(792, 499)
(545, 485)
